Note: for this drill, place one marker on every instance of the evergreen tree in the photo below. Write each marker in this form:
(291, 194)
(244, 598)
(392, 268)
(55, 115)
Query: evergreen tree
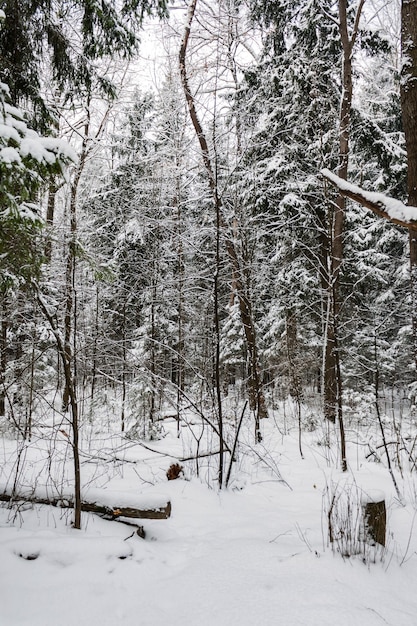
(138, 230)
(374, 283)
(26, 161)
(39, 36)
(293, 98)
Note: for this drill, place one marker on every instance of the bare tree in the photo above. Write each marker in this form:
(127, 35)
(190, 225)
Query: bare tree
(256, 395)
(332, 377)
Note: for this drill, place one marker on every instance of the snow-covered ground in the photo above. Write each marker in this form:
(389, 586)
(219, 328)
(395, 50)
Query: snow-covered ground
(256, 553)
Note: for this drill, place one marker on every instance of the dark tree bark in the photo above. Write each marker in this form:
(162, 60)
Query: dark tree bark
(332, 382)
(180, 357)
(409, 119)
(50, 212)
(409, 93)
(332, 377)
(296, 392)
(3, 354)
(375, 522)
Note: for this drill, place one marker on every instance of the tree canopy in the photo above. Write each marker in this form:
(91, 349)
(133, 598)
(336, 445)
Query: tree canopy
(60, 43)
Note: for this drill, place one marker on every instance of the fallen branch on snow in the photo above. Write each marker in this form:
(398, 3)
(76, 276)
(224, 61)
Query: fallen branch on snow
(149, 510)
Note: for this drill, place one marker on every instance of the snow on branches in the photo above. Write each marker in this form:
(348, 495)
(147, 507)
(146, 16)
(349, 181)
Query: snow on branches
(384, 206)
(25, 156)
(27, 160)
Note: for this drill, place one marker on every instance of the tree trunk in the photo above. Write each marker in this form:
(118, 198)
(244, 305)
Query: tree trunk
(29, 419)
(50, 211)
(152, 365)
(160, 511)
(409, 118)
(124, 366)
(256, 395)
(296, 391)
(332, 377)
(332, 384)
(374, 521)
(217, 375)
(3, 359)
(409, 92)
(70, 273)
(70, 385)
(180, 358)
(94, 358)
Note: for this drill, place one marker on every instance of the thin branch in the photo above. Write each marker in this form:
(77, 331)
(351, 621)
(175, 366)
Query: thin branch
(356, 24)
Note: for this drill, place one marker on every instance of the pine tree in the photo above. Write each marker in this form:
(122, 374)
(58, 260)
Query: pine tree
(138, 230)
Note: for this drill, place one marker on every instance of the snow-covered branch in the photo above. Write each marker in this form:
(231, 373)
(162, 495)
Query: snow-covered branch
(384, 206)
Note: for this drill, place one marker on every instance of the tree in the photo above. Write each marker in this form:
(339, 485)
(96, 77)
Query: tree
(37, 33)
(332, 373)
(409, 118)
(292, 101)
(256, 394)
(138, 231)
(378, 203)
(26, 161)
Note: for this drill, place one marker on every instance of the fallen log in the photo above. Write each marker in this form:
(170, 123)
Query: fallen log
(150, 510)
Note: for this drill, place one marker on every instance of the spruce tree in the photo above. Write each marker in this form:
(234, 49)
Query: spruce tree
(293, 98)
(39, 37)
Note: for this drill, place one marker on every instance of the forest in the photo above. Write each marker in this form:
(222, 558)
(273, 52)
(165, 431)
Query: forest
(208, 304)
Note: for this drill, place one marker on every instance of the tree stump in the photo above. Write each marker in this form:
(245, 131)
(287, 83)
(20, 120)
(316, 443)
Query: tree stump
(374, 518)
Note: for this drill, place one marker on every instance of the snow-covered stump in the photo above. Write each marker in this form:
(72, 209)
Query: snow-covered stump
(374, 517)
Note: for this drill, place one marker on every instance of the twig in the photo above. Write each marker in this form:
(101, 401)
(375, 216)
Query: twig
(232, 456)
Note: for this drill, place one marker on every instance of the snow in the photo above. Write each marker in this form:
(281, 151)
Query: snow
(108, 497)
(395, 209)
(7, 132)
(60, 147)
(26, 141)
(101, 497)
(257, 553)
(372, 495)
(9, 155)
(34, 148)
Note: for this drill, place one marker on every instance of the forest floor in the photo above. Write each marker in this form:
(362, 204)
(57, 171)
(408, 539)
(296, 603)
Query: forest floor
(256, 553)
